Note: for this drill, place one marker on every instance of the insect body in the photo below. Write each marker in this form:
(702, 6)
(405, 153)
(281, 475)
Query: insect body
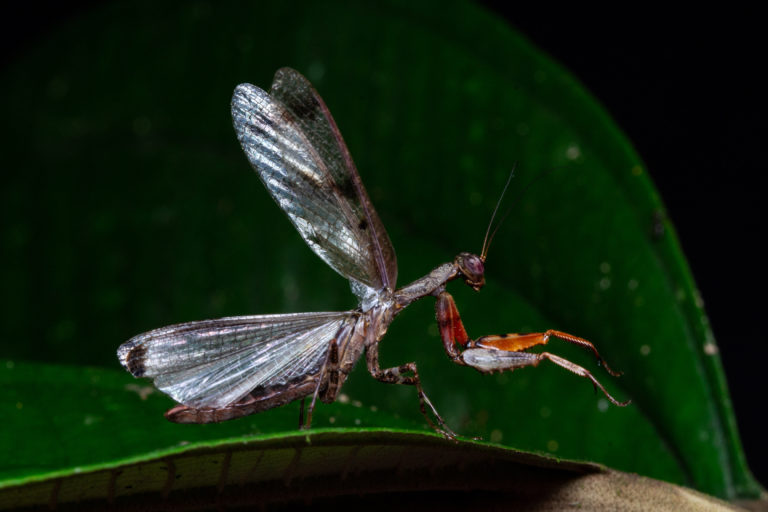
(232, 367)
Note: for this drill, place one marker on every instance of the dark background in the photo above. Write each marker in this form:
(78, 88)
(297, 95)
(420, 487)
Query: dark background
(686, 89)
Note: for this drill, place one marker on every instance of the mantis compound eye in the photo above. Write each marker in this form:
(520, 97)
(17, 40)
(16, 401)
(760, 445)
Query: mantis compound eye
(472, 268)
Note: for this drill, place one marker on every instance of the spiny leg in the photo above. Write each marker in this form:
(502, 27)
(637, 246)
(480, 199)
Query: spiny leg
(581, 372)
(489, 360)
(395, 375)
(505, 351)
(518, 342)
(451, 327)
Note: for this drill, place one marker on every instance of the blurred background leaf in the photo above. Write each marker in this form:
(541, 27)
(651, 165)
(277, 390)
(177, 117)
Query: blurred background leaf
(132, 207)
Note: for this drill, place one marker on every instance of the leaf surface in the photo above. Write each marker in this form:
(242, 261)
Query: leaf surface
(130, 206)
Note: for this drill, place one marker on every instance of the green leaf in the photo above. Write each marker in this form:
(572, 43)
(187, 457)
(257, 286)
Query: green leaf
(130, 206)
(326, 464)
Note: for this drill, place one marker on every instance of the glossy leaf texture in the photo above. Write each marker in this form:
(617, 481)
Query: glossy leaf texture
(127, 205)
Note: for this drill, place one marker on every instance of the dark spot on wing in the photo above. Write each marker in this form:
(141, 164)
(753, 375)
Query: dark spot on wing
(303, 107)
(347, 188)
(302, 111)
(363, 224)
(135, 360)
(503, 335)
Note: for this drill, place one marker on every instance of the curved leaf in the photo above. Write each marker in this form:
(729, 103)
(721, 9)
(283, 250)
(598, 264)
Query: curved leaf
(353, 464)
(131, 207)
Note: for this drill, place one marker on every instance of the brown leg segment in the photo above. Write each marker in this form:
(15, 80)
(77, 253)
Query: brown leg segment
(451, 328)
(395, 375)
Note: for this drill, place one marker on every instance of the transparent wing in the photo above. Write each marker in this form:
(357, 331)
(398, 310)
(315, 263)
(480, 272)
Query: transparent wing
(293, 143)
(214, 363)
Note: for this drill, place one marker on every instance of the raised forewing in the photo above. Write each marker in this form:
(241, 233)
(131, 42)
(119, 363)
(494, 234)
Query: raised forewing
(293, 143)
(214, 363)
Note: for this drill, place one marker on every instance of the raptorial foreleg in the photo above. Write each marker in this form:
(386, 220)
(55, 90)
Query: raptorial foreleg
(506, 352)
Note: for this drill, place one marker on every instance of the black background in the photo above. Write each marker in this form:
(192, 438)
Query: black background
(687, 89)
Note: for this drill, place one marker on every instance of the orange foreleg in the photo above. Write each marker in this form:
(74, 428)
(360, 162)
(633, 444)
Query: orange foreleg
(518, 342)
(512, 342)
(500, 352)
